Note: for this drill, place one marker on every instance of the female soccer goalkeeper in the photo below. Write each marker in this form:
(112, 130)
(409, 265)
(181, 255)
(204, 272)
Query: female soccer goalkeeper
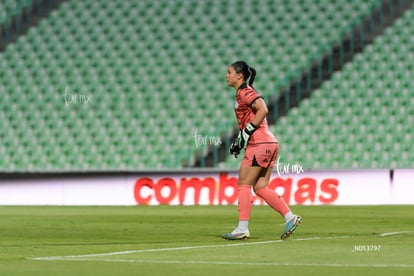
(261, 149)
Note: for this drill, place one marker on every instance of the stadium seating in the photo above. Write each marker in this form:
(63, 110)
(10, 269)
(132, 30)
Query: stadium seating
(154, 74)
(363, 116)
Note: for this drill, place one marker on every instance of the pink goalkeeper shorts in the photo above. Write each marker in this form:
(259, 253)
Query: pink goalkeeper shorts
(263, 155)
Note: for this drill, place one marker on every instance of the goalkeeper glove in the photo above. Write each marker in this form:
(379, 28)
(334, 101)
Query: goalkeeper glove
(244, 135)
(235, 149)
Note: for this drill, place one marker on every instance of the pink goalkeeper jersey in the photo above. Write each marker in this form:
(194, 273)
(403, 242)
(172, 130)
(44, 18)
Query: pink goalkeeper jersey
(245, 96)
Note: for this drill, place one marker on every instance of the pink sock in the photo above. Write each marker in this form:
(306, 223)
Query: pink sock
(274, 200)
(245, 201)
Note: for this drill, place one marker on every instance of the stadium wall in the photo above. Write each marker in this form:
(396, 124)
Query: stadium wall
(207, 187)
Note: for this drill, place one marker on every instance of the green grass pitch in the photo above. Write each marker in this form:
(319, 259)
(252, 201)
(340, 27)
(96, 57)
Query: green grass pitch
(186, 240)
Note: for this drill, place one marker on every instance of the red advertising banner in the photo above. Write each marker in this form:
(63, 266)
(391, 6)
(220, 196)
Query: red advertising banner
(315, 188)
(192, 187)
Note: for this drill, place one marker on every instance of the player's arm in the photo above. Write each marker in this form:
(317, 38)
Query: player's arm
(260, 110)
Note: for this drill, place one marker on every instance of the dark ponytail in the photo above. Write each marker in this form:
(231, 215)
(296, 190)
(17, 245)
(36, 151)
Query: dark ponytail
(249, 73)
(252, 75)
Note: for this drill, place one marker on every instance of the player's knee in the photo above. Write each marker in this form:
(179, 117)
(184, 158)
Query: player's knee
(258, 189)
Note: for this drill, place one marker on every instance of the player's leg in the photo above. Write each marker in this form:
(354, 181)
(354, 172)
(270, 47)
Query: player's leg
(270, 196)
(269, 154)
(247, 178)
(248, 175)
(266, 155)
(277, 203)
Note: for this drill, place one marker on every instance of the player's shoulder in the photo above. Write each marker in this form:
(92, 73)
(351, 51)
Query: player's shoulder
(247, 91)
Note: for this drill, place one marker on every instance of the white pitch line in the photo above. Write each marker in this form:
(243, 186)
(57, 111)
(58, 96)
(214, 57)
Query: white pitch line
(150, 250)
(80, 257)
(394, 233)
(58, 258)
(239, 263)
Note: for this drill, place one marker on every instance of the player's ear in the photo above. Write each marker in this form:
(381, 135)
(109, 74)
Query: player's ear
(240, 76)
